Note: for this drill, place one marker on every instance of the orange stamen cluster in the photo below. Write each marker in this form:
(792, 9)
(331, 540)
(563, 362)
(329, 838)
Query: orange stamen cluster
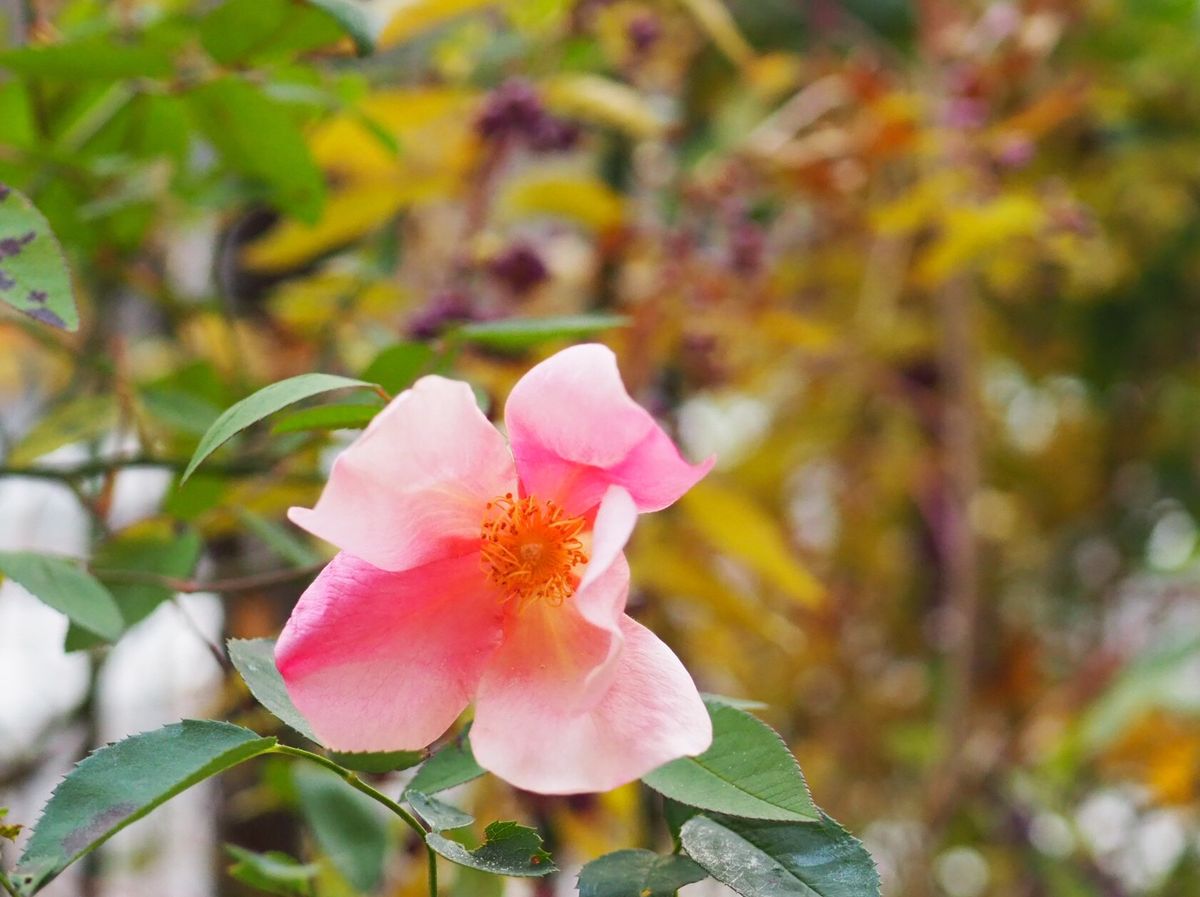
(530, 550)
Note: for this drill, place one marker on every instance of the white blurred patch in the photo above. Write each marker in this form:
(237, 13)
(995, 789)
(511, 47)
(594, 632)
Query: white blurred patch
(962, 872)
(728, 426)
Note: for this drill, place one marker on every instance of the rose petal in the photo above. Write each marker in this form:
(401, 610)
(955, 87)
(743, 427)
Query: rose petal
(575, 431)
(412, 488)
(611, 530)
(529, 732)
(380, 661)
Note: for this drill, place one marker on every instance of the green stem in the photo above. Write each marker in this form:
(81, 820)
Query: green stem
(358, 784)
(7, 885)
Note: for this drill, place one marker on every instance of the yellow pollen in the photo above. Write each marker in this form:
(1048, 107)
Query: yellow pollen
(530, 550)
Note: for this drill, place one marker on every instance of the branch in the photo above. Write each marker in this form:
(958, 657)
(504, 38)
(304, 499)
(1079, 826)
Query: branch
(249, 583)
(99, 467)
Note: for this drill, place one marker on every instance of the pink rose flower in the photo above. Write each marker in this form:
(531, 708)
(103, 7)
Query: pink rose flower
(472, 572)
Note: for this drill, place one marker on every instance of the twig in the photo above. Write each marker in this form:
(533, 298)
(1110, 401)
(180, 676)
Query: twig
(220, 586)
(213, 647)
(101, 466)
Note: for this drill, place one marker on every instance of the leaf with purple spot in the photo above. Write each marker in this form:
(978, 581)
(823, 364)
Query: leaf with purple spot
(34, 277)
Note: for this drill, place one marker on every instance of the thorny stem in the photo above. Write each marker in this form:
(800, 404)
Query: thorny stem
(358, 784)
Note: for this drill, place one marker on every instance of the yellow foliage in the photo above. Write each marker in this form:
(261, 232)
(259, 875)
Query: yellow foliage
(970, 232)
(347, 215)
(579, 198)
(716, 20)
(406, 18)
(603, 100)
(734, 523)
(435, 148)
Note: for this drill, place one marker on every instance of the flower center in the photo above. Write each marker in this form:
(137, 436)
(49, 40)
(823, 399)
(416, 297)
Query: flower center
(530, 549)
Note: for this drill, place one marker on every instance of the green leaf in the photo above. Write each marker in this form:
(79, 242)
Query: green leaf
(396, 367)
(254, 659)
(258, 137)
(66, 587)
(516, 334)
(747, 772)
(439, 816)
(76, 420)
(174, 557)
(739, 703)
(327, 417)
(346, 824)
(637, 873)
(34, 277)
(378, 763)
(453, 765)
(123, 782)
(273, 872)
(266, 401)
(101, 58)
(354, 20)
(507, 849)
(770, 859)
(280, 539)
(234, 29)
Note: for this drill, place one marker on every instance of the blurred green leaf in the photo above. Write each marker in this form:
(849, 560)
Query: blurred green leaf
(748, 771)
(77, 420)
(34, 277)
(279, 538)
(102, 58)
(396, 367)
(518, 334)
(258, 137)
(123, 782)
(65, 586)
(273, 872)
(261, 404)
(174, 557)
(346, 824)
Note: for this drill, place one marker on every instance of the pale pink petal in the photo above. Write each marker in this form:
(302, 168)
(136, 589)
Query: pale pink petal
(575, 431)
(529, 731)
(380, 661)
(611, 529)
(412, 488)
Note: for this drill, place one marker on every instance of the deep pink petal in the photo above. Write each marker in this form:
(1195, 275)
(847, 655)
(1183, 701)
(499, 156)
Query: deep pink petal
(531, 732)
(380, 661)
(575, 431)
(412, 488)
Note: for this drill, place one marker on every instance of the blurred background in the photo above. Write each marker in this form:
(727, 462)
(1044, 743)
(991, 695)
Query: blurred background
(924, 274)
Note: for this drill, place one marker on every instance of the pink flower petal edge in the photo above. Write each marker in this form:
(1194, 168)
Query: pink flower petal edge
(529, 732)
(575, 431)
(412, 488)
(379, 661)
